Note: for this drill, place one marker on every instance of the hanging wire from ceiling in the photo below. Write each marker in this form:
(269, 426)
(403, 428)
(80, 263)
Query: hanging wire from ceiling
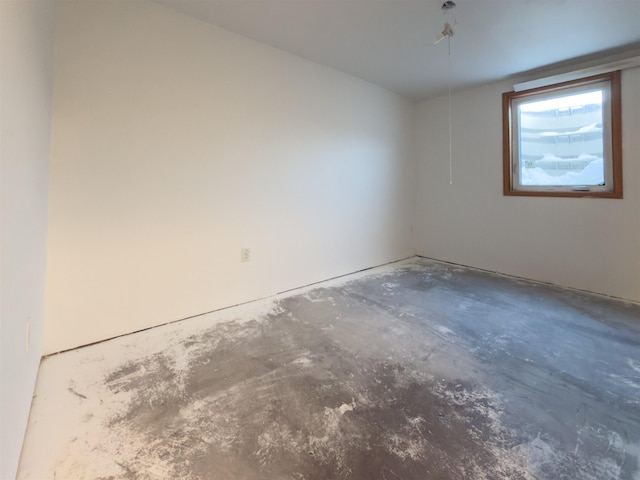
(448, 32)
(450, 126)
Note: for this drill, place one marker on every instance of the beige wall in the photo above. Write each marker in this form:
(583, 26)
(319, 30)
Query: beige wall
(590, 244)
(176, 143)
(26, 30)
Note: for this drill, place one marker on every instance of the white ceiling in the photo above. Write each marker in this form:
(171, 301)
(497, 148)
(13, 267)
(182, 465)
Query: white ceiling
(390, 42)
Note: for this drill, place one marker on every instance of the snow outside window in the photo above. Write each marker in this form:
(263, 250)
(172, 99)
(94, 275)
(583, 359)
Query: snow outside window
(564, 140)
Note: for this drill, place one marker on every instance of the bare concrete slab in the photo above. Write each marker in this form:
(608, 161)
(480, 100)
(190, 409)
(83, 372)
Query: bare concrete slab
(422, 370)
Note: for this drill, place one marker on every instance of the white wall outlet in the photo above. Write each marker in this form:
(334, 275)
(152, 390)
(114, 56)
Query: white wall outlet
(27, 335)
(245, 254)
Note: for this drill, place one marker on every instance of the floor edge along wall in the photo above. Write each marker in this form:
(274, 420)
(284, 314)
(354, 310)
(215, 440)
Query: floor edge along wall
(354, 275)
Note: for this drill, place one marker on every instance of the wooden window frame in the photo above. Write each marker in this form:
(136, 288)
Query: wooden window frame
(613, 151)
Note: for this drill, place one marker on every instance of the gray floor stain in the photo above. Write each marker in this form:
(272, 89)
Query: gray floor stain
(427, 372)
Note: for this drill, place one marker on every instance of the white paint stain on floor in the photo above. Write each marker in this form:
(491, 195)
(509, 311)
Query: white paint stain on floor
(71, 433)
(93, 412)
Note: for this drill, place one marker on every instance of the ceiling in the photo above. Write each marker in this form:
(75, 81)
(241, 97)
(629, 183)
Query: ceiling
(390, 42)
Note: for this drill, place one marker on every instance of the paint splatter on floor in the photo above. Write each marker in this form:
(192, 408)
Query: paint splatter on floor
(415, 371)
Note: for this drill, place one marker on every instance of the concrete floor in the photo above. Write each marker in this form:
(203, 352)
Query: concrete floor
(420, 370)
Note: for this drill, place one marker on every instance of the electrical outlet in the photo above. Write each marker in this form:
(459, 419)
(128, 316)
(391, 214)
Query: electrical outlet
(27, 335)
(245, 254)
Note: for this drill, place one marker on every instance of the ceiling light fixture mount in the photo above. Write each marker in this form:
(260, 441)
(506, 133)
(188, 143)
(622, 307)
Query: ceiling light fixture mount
(447, 31)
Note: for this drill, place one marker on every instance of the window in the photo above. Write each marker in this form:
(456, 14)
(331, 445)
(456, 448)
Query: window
(564, 140)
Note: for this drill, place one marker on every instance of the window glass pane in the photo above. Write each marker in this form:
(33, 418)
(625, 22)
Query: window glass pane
(561, 140)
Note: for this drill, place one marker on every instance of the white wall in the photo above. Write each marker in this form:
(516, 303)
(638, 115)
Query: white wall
(176, 143)
(26, 41)
(590, 244)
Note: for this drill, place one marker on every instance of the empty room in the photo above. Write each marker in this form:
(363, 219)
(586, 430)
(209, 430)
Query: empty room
(320, 239)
